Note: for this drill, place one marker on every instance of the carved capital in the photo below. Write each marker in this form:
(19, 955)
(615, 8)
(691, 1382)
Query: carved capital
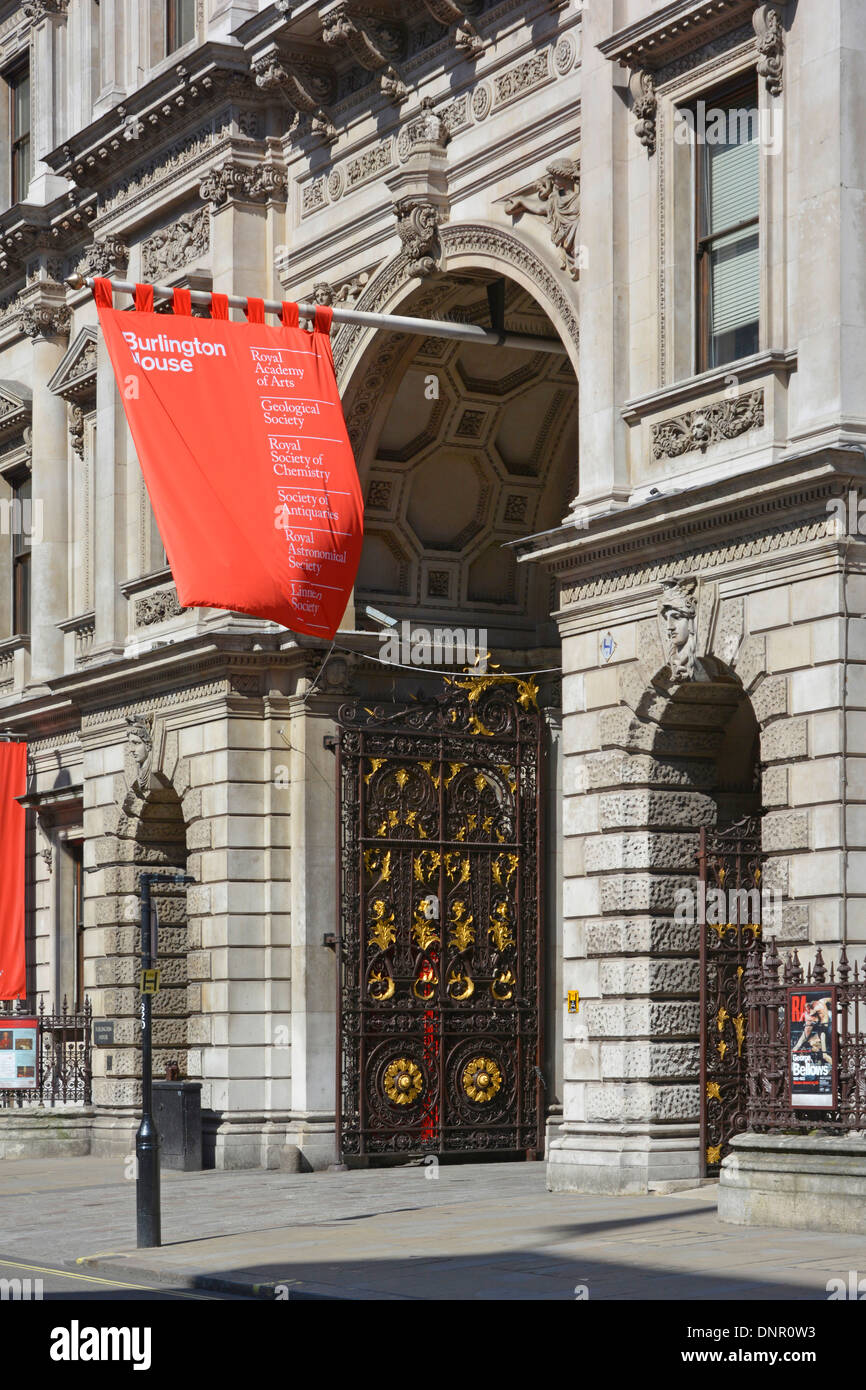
(45, 320)
(643, 92)
(418, 228)
(103, 257)
(770, 44)
(240, 183)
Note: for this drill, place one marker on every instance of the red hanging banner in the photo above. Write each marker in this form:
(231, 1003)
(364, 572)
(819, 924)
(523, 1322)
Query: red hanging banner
(13, 782)
(241, 438)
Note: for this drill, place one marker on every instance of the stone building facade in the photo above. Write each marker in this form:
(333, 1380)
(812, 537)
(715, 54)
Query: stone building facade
(519, 165)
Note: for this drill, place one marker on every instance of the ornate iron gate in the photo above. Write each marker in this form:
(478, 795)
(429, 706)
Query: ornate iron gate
(729, 920)
(440, 924)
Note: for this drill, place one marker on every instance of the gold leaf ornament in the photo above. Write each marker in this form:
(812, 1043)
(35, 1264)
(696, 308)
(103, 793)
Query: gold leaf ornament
(481, 1079)
(403, 1081)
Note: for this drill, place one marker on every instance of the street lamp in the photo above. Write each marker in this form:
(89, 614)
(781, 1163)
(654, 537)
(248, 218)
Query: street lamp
(147, 1200)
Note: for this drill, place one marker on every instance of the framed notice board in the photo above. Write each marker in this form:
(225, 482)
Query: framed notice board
(812, 1047)
(19, 1054)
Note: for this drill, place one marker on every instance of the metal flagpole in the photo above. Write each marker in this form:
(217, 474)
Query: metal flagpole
(396, 323)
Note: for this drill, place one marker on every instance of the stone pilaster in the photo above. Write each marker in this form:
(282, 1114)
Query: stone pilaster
(47, 325)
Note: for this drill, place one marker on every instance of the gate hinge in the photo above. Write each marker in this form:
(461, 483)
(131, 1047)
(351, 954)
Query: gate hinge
(331, 940)
(330, 742)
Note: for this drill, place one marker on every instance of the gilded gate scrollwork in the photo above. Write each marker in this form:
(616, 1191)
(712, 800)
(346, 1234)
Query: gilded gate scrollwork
(440, 928)
(730, 866)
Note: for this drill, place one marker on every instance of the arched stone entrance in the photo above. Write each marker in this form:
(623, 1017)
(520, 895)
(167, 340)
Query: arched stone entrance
(462, 450)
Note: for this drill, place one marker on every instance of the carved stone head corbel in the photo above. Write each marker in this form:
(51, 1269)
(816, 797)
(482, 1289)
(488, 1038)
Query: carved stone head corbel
(678, 612)
(139, 754)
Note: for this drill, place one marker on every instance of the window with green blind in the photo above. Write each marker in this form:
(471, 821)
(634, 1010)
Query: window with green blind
(20, 533)
(18, 83)
(179, 23)
(728, 206)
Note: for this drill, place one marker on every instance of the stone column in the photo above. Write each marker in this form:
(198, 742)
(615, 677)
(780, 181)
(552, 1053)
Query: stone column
(313, 855)
(109, 497)
(47, 325)
(49, 86)
(605, 233)
(112, 55)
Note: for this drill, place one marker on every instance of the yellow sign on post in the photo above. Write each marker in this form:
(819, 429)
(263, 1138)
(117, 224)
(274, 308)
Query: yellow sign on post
(149, 983)
(573, 1001)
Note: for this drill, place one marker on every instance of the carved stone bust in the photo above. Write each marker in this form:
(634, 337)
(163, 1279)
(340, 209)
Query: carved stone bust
(139, 742)
(678, 611)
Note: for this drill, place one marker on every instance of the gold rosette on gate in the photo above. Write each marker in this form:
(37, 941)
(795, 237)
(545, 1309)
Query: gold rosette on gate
(403, 1081)
(481, 1079)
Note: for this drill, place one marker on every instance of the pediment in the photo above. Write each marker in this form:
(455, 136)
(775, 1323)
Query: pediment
(75, 378)
(16, 402)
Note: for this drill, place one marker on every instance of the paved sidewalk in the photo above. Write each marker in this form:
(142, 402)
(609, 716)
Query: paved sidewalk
(481, 1231)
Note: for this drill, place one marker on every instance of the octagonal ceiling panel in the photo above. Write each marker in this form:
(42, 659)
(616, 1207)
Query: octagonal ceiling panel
(447, 501)
(525, 425)
(412, 420)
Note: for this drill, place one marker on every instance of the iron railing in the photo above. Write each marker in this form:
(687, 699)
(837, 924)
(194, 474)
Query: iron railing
(64, 1072)
(768, 979)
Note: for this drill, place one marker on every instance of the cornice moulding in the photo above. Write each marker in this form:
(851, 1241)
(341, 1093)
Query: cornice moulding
(632, 535)
(95, 153)
(695, 387)
(676, 29)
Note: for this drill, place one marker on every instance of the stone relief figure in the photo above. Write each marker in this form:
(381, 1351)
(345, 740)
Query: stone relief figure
(557, 198)
(139, 742)
(678, 609)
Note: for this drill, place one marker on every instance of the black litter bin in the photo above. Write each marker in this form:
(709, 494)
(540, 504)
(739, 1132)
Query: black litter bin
(177, 1112)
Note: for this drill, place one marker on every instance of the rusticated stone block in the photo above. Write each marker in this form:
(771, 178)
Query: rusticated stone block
(170, 1032)
(640, 1101)
(785, 741)
(105, 972)
(604, 853)
(649, 977)
(784, 830)
(172, 971)
(640, 893)
(640, 936)
(751, 660)
(648, 644)
(794, 926)
(650, 1061)
(199, 965)
(193, 999)
(198, 900)
(641, 1018)
(199, 835)
(656, 809)
(617, 769)
(112, 1090)
(770, 699)
(199, 1029)
(776, 873)
(774, 786)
